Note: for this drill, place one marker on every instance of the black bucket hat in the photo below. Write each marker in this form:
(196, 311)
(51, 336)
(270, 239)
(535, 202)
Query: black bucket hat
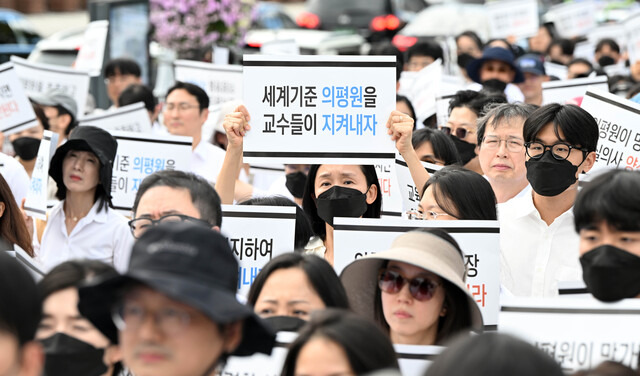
(494, 53)
(189, 263)
(93, 139)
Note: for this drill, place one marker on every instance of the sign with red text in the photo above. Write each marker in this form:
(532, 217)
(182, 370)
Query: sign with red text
(562, 91)
(573, 19)
(91, 53)
(16, 112)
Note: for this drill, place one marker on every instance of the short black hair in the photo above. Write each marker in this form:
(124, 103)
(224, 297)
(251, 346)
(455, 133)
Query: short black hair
(203, 196)
(476, 101)
(135, 93)
(473, 36)
(442, 145)
(21, 307)
(195, 90)
(367, 348)
(580, 60)
(405, 100)
(122, 66)
(611, 197)
(72, 123)
(613, 45)
(500, 113)
(576, 124)
(566, 46)
(493, 354)
(321, 275)
(303, 225)
(431, 49)
(462, 191)
(37, 109)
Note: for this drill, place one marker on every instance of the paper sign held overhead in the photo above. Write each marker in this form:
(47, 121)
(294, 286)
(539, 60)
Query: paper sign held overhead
(91, 53)
(562, 91)
(512, 18)
(408, 190)
(319, 109)
(16, 112)
(130, 118)
(573, 19)
(632, 27)
(222, 83)
(36, 202)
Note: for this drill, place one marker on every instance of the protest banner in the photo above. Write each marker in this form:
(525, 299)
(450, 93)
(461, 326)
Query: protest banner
(222, 83)
(615, 31)
(585, 50)
(518, 18)
(562, 91)
(16, 112)
(573, 19)
(409, 192)
(40, 78)
(257, 234)
(479, 240)
(140, 155)
(619, 129)
(91, 53)
(36, 201)
(261, 364)
(632, 27)
(130, 118)
(577, 333)
(573, 289)
(449, 86)
(263, 175)
(556, 70)
(414, 360)
(318, 109)
(389, 188)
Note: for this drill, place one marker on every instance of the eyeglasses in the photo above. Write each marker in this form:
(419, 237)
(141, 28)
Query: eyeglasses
(428, 215)
(514, 145)
(131, 316)
(139, 225)
(421, 288)
(560, 151)
(180, 106)
(459, 132)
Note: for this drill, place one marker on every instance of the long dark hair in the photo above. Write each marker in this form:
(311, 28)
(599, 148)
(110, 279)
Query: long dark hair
(12, 226)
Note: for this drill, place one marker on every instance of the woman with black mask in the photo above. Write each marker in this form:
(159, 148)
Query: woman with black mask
(607, 218)
(26, 142)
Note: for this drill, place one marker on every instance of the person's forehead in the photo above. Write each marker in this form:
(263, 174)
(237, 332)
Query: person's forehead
(339, 170)
(163, 198)
(144, 294)
(495, 63)
(180, 95)
(512, 126)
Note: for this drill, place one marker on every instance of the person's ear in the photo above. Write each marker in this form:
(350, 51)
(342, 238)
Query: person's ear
(232, 336)
(589, 161)
(216, 228)
(2, 207)
(32, 359)
(204, 114)
(372, 194)
(112, 355)
(65, 119)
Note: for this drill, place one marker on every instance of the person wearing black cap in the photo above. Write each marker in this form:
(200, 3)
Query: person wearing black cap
(496, 71)
(82, 225)
(175, 307)
(534, 75)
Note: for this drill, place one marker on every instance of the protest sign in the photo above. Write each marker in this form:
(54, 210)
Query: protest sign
(619, 129)
(414, 360)
(222, 83)
(585, 50)
(577, 333)
(261, 364)
(518, 18)
(389, 188)
(91, 53)
(632, 27)
(41, 78)
(16, 112)
(479, 240)
(30, 263)
(573, 289)
(557, 70)
(140, 155)
(36, 203)
(615, 31)
(562, 91)
(130, 118)
(280, 47)
(319, 109)
(449, 86)
(263, 175)
(422, 88)
(573, 19)
(409, 192)
(257, 234)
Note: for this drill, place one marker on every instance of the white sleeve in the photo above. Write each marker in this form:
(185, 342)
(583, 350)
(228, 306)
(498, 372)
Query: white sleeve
(123, 242)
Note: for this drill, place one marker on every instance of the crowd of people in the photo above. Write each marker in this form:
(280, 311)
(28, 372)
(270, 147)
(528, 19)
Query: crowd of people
(157, 293)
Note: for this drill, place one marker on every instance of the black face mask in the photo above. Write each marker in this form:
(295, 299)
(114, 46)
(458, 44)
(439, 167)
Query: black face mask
(466, 150)
(464, 59)
(494, 85)
(611, 273)
(548, 176)
(65, 355)
(285, 323)
(557, 62)
(295, 183)
(339, 201)
(26, 147)
(605, 60)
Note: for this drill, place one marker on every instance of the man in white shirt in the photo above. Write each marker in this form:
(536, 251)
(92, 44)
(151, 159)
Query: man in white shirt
(185, 111)
(539, 245)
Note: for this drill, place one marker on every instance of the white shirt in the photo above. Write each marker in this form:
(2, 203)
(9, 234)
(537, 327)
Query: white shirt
(534, 256)
(206, 161)
(103, 236)
(16, 176)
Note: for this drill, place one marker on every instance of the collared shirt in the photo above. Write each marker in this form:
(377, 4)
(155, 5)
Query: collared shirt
(536, 256)
(206, 161)
(16, 177)
(103, 236)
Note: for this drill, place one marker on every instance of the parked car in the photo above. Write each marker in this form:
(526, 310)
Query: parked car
(60, 48)
(17, 36)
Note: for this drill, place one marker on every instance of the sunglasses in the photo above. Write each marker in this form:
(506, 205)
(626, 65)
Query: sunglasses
(460, 132)
(421, 288)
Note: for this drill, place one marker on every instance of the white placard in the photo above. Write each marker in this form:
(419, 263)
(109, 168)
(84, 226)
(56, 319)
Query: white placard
(263, 175)
(222, 83)
(585, 50)
(449, 86)
(414, 360)
(479, 240)
(91, 53)
(619, 124)
(140, 155)
(573, 289)
(36, 203)
(562, 91)
(615, 31)
(130, 118)
(578, 333)
(424, 89)
(319, 109)
(573, 19)
(257, 234)
(517, 18)
(261, 364)
(409, 192)
(556, 70)
(41, 78)
(220, 55)
(280, 47)
(389, 188)
(632, 27)
(16, 112)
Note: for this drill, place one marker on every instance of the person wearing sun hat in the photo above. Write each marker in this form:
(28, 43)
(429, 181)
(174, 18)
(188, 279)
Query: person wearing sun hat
(496, 71)
(415, 290)
(83, 224)
(184, 277)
